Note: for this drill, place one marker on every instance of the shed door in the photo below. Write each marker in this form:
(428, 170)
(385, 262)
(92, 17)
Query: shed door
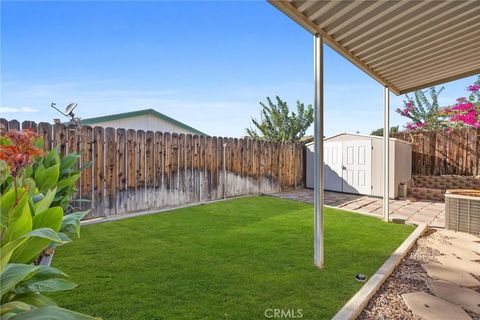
(333, 166)
(357, 166)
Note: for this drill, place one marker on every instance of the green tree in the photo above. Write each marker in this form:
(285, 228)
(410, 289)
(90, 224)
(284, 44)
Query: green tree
(379, 132)
(423, 111)
(278, 124)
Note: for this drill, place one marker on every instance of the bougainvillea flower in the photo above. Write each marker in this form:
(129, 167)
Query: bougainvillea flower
(468, 106)
(410, 126)
(474, 88)
(469, 118)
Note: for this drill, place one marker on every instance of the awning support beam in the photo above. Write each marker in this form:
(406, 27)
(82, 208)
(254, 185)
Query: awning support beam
(318, 137)
(386, 153)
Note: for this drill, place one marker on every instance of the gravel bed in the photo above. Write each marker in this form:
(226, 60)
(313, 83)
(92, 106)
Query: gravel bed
(408, 276)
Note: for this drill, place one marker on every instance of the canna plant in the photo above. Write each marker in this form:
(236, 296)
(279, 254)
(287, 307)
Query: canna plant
(36, 189)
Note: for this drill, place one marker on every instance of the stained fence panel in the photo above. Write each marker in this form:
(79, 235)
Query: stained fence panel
(128, 170)
(444, 152)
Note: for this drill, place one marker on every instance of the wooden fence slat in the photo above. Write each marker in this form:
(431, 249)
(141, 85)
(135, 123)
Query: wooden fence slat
(121, 170)
(174, 169)
(60, 138)
(98, 171)
(73, 146)
(158, 169)
(149, 169)
(110, 199)
(29, 125)
(208, 167)
(218, 167)
(141, 182)
(189, 186)
(45, 130)
(181, 170)
(202, 169)
(87, 162)
(196, 167)
(3, 126)
(132, 156)
(167, 168)
(13, 125)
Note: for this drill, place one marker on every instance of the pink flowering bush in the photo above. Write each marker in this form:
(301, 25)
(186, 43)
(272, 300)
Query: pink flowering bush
(426, 115)
(466, 112)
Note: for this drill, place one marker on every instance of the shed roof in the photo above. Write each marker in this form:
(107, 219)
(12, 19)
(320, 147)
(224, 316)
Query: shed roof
(151, 112)
(366, 136)
(404, 44)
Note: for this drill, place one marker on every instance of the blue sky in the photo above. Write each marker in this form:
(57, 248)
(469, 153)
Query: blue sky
(207, 64)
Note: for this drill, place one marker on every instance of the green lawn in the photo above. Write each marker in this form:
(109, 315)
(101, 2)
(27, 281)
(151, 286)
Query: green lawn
(225, 260)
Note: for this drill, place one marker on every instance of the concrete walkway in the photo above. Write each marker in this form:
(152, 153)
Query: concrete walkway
(417, 211)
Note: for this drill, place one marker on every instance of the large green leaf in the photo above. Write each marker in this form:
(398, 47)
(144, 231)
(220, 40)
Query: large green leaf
(52, 158)
(71, 222)
(69, 161)
(14, 274)
(39, 239)
(68, 182)
(35, 299)
(51, 313)
(10, 210)
(14, 306)
(7, 251)
(46, 272)
(45, 203)
(65, 238)
(48, 285)
(19, 227)
(47, 178)
(50, 218)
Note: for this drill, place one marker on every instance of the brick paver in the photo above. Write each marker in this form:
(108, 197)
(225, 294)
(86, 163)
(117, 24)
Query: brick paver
(420, 211)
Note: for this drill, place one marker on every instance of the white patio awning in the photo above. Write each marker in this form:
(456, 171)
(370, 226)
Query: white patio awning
(405, 45)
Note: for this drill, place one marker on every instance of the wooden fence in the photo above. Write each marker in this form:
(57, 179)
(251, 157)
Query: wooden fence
(444, 152)
(137, 170)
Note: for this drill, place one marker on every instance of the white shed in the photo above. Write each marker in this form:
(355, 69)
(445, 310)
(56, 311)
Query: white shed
(353, 164)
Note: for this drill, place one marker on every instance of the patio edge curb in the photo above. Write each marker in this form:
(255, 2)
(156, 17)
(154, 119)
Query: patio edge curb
(352, 309)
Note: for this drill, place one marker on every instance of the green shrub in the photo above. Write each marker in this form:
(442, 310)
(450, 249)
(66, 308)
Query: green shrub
(36, 190)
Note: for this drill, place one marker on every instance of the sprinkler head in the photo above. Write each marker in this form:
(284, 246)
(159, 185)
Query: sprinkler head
(360, 277)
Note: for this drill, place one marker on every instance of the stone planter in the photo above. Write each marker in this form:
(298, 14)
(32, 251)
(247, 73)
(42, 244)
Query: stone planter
(462, 210)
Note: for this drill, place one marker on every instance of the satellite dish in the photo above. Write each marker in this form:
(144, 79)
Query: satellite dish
(69, 109)
(68, 112)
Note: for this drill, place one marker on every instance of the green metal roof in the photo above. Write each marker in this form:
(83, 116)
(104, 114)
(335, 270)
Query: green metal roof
(151, 112)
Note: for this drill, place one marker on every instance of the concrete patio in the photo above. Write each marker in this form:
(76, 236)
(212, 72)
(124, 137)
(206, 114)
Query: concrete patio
(417, 211)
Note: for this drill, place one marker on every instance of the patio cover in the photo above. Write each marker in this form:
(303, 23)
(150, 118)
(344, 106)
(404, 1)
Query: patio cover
(405, 45)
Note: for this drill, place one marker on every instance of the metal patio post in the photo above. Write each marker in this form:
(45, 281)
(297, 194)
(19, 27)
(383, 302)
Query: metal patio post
(386, 153)
(318, 136)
